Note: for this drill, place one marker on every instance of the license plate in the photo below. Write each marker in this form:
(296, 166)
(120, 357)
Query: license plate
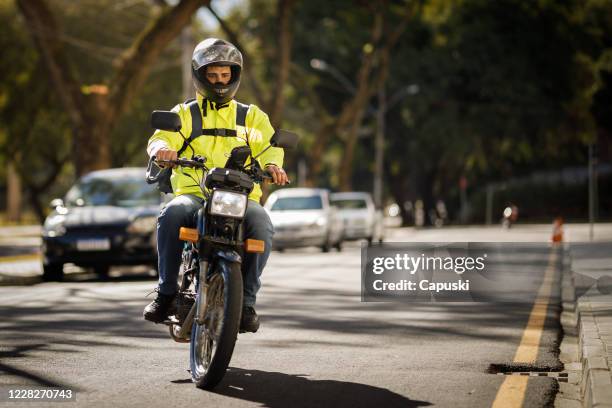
(102, 244)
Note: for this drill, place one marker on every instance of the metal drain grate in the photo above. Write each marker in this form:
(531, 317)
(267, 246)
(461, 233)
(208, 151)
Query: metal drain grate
(561, 377)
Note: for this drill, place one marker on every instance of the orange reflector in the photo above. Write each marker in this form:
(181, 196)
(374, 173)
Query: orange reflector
(188, 234)
(254, 245)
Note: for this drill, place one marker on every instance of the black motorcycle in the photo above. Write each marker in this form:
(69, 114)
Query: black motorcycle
(209, 300)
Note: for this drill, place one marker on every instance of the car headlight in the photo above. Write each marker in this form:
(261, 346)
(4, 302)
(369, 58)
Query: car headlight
(320, 222)
(54, 226)
(143, 225)
(228, 204)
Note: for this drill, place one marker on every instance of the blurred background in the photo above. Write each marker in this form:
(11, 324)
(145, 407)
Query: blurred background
(446, 110)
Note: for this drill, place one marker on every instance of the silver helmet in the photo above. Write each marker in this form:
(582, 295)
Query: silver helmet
(214, 51)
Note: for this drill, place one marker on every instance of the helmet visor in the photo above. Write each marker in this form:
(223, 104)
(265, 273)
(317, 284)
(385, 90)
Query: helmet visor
(216, 54)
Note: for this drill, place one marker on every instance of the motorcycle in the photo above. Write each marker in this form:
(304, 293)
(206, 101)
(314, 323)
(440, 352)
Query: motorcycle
(209, 299)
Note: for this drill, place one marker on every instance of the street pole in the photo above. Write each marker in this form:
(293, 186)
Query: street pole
(379, 148)
(301, 173)
(592, 189)
(489, 205)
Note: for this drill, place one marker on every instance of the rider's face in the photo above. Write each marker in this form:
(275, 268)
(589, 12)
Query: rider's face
(217, 74)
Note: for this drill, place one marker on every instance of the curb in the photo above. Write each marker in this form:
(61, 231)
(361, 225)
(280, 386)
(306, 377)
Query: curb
(596, 385)
(10, 280)
(595, 382)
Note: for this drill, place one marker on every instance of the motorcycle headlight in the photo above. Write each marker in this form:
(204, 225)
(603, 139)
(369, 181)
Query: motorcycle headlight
(228, 204)
(143, 225)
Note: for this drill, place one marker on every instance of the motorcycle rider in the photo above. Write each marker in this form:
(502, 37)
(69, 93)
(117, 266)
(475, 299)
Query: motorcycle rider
(216, 67)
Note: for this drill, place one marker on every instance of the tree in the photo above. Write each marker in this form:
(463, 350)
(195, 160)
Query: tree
(94, 109)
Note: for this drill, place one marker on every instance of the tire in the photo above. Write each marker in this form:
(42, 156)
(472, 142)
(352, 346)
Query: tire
(326, 247)
(338, 246)
(53, 272)
(370, 239)
(229, 288)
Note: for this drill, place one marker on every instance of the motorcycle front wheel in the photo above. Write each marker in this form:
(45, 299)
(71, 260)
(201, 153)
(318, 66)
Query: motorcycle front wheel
(212, 343)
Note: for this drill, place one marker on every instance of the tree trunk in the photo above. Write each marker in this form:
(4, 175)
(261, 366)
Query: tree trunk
(13, 194)
(93, 110)
(283, 60)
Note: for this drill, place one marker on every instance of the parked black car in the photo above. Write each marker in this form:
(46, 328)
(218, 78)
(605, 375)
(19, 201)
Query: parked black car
(108, 217)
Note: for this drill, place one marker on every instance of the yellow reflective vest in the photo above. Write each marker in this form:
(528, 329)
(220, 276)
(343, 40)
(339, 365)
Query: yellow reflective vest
(216, 149)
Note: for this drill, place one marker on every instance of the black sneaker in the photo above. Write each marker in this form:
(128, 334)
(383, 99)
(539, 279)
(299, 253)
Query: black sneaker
(159, 309)
(249, 321)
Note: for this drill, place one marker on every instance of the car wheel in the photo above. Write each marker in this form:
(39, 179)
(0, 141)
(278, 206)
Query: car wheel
(53, 272)
(338, 246)
(370, 239)
(326, 247)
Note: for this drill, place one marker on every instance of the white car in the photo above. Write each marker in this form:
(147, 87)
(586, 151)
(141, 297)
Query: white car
(304, 217)
(360, 218)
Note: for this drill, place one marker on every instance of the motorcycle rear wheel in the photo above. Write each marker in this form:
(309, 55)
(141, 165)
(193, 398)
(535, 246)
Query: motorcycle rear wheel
(212, 343)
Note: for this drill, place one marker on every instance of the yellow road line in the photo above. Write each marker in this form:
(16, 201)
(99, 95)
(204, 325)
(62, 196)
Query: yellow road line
(18, 258)
(512, 391)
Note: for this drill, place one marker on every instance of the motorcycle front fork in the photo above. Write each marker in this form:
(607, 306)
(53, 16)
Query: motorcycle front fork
(202, 293)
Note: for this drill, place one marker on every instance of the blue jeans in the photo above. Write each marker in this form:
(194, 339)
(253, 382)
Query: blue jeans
(181, 212)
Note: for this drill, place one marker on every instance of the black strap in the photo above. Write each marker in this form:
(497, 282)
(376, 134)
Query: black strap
(196, 124)
(241, 112)
(219, 132)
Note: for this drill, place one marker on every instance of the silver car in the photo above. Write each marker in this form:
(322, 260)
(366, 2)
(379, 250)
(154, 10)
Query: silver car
(360, 218)
(304, 217)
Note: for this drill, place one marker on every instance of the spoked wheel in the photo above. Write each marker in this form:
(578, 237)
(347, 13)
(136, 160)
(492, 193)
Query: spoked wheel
(212, 343)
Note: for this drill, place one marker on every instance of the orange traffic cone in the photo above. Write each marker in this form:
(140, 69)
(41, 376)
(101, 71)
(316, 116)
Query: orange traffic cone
(557, 235)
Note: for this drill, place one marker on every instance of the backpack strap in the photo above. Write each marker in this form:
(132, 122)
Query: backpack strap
(196, 124)
(241, 112)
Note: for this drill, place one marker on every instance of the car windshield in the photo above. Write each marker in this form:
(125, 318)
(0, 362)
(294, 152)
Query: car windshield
(123, 192)
(350, 204)
(298, 203)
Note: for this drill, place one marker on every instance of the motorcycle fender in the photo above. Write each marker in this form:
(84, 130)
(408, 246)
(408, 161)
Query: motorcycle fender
(228, 255)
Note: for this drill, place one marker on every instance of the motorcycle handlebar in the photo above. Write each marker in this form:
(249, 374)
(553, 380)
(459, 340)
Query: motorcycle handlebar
(193, 163)
(200, 163)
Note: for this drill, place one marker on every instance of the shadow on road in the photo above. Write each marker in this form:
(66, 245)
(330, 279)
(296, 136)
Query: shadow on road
(274, 389)
(21, 352)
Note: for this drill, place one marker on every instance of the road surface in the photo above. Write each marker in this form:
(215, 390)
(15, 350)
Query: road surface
(319, 345)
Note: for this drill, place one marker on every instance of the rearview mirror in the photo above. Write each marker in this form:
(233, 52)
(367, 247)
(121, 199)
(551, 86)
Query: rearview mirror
(284, 139)
(166, 120)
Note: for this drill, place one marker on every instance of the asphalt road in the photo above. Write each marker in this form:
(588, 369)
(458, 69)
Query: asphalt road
(319, 345)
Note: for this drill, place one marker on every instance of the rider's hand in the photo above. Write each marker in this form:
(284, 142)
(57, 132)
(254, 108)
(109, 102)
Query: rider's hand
(278, 174)
(166, 154)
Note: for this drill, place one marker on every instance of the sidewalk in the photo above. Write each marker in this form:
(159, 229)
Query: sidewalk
(19, 240)
(592, 277)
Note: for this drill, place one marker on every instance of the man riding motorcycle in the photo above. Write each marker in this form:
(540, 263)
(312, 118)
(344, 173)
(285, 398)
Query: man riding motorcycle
(216, 67)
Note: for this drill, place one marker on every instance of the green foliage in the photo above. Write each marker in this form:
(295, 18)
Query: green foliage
(505, 87)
